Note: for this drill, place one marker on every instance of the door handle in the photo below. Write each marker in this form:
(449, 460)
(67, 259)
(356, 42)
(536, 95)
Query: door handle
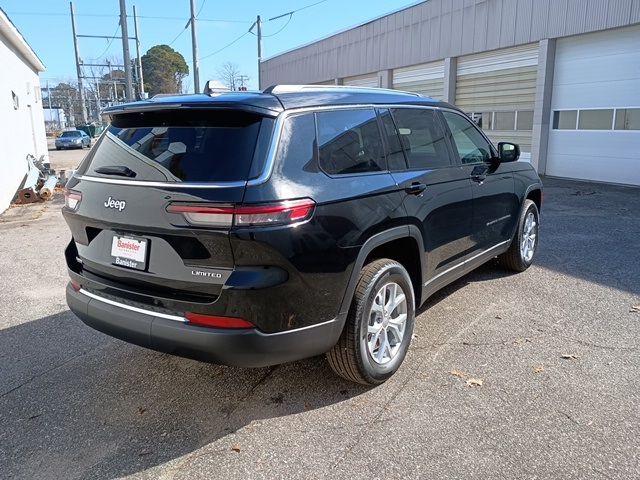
(479, 178)
(416, 188)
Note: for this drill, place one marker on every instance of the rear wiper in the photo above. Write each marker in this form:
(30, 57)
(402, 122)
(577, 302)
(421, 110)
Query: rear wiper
(120, 170)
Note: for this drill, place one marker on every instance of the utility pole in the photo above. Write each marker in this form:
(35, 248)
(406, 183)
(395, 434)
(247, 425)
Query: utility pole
(194, 46)
(49, 95)
(259, 29)
(140, 79)
(125, 51)
(83, 109)
(98, 105)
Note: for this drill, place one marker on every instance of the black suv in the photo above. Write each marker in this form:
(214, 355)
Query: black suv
(252, 229)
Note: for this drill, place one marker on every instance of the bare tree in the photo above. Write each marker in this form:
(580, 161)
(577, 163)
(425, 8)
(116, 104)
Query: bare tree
(230, 75)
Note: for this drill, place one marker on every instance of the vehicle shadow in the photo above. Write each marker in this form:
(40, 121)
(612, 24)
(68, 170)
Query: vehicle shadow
(590, 231)
(76, 404)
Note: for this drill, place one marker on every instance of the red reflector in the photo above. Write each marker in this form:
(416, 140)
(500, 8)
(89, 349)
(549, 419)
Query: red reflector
(217, 322)
(75, 285)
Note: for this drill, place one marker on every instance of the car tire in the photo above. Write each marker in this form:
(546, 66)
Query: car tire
(524, 245)
(381, 285)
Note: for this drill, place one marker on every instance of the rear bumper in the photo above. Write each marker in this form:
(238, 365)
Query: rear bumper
(171, 334)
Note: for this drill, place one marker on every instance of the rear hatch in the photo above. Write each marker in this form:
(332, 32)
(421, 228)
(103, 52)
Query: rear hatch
(121, 202)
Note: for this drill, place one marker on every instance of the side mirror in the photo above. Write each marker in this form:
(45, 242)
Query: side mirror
(508, 152)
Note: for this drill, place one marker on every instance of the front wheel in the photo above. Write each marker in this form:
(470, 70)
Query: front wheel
(379, 326)
(524, 245)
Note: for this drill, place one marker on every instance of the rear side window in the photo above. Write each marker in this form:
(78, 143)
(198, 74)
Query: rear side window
(422, 138)
(349, 142)
(180, 146)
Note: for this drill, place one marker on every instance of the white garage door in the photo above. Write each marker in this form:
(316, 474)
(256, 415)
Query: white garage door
(595, 129)
(426, 79)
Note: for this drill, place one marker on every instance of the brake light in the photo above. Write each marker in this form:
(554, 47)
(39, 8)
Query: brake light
(72, 199)
(291, 211)
(213, 321)
(75, 285)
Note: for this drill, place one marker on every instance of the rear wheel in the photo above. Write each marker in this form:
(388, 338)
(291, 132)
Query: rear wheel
(524, 246)
(379, 326)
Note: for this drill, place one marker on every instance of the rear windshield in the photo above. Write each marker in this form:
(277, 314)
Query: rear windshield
(180, 146)
(71, 134)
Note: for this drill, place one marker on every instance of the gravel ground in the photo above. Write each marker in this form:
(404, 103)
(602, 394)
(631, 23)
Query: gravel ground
(556, 349)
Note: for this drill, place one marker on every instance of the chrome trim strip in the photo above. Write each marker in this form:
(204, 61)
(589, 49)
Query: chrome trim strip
(177, 318)
(284, 332)
(133, 309)
(450, 269)
(115, 181)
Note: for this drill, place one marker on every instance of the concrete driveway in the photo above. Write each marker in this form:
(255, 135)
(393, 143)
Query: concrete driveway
(556, 349)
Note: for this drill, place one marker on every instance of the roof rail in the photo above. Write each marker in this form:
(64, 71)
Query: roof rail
(276, 89)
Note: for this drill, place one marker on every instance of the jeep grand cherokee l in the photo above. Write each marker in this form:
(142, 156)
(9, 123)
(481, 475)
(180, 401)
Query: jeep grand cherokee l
(253, 229)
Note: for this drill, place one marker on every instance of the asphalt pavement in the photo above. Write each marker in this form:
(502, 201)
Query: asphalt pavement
(531, 375)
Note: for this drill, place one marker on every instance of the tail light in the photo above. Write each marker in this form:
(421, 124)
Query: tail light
(72, 199)
(282, 213)
(213, 321)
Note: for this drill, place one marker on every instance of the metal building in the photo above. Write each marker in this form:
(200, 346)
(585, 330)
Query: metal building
(559, 77)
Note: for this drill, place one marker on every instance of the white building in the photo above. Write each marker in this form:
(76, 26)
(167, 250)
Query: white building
(21, 117)
(559, 77)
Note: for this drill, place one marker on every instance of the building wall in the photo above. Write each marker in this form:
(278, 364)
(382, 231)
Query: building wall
(438, 29)
(22, 129)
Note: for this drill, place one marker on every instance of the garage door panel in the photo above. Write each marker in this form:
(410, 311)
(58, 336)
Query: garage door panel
(597, 70)
(425, 79)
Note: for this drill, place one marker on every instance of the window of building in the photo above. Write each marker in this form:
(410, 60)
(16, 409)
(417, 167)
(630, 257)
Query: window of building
(349, 142)
(422, 138)
(627, 119)
(595, 119)
(565, 119)
(524, 120)
(504, 121)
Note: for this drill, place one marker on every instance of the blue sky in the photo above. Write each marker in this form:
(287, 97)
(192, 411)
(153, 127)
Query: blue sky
(47, 28)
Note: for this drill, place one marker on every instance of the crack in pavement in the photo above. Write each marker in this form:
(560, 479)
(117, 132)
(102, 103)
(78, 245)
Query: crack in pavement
(49, 370)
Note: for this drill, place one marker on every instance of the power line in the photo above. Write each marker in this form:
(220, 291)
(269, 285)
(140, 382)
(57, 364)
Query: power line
(179, 35)
(226, 46)
(110, 15)
(201, 7)
(110, 41)
(281, 29)
(297, 10)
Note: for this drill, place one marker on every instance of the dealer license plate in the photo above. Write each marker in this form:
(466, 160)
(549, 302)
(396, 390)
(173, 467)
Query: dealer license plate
(129, 252)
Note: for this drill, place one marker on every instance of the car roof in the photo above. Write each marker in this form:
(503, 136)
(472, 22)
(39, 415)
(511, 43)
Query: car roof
(276, 99)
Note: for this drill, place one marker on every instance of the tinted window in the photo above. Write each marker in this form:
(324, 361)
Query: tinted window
(75, 133)
(349, 142)
(504, 120)
(628, 119)
(421, 137)
(186, 146)
(565, 119)
(395, 155)
(468, 141)
(595, 119)
(296, 149)
(525, 120)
